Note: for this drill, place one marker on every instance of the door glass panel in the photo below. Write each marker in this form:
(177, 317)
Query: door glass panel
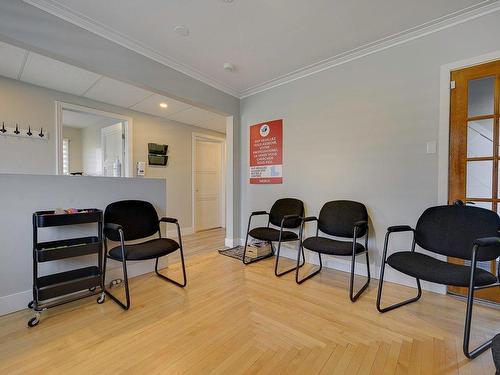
(479, 179)
(480, 138)
(487, 205)
(485, 265)
(481, 94)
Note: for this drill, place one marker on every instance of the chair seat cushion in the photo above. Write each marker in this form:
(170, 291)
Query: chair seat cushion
(427, 268)
(329, 246)
(145, 250)
(271, 234)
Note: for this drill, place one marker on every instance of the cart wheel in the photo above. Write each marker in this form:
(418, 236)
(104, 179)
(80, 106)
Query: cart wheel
(33, 321)
(101, 298)
(92, 289)
(30, 305)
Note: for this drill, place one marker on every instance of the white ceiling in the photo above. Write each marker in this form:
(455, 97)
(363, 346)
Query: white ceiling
(264, 39)
(80, 120)
(30, 67)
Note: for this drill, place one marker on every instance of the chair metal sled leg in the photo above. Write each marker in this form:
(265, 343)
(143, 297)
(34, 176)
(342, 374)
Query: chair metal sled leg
(276, 265)
(381, 282)
(396, 305)
(300, 281)
(184, 282)
(351, 284)
(471, 354)
(125, 281)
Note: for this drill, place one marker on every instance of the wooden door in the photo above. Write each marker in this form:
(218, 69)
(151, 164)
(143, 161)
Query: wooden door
(207, 185)
(474, 147)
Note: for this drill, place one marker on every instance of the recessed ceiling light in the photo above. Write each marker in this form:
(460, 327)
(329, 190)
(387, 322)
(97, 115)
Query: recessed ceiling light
(163, 105)
(228, 67)
(182, 30)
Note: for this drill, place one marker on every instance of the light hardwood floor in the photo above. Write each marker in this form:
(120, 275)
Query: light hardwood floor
(232, 319)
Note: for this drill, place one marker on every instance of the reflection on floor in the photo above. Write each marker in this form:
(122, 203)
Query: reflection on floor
(233, 319)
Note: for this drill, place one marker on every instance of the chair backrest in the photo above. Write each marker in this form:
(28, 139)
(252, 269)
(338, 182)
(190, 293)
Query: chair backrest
(337, 218)
(451, 231)
(286, 206)
(138, 219)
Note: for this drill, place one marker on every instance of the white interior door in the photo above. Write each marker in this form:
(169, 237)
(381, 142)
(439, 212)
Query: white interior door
(207, 184)
(112, 142)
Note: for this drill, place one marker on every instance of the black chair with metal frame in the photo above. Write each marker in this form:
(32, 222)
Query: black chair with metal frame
(495, 351)
(132, 220)
(458, 231)
(345, 219)
(286, 213)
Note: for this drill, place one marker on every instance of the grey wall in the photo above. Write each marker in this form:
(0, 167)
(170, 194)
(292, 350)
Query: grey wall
(359, 131)
(35, 105)
(24, 194)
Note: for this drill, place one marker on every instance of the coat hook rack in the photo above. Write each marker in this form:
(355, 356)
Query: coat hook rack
(19, 132)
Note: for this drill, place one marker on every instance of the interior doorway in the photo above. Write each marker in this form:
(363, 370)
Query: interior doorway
(208, 182)
(474, 148)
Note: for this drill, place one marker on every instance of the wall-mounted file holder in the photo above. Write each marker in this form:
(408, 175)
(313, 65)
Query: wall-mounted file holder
(18, 132)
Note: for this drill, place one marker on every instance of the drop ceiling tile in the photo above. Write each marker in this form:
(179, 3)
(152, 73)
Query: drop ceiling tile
(47, 72)
(121, 94)
(151, 105)
(11, 60)
(192, 116)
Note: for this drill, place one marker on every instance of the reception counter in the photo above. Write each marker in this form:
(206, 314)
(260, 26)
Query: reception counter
(21, 195)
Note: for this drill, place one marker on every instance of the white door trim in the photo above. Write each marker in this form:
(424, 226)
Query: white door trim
(128, 123)
(223, 200)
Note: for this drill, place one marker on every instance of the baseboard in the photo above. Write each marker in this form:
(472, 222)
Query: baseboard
(232, 242)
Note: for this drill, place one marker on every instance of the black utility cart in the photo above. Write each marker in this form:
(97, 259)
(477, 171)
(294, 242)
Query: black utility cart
(58, 288)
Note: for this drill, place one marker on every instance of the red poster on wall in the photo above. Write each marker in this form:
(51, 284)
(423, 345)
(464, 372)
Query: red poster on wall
(266, 153)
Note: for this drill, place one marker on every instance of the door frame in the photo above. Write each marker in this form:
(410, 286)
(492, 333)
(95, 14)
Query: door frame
(128, 124)
(209, 138)
(444, 126)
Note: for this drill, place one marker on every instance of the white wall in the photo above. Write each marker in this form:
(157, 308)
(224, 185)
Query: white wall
(36, 157)
(359, 131)
(25, 194)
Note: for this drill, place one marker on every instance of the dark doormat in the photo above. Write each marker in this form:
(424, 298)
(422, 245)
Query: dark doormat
(237, 253)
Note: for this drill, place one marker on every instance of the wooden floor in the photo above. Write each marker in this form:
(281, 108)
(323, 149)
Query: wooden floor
(232, 319)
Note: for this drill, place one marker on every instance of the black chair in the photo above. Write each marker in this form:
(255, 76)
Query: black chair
(285, 213)
(132, 220)
(346, 219)
(495, 351)
(457, 231)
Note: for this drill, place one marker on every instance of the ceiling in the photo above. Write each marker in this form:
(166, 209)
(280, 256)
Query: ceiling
(265, 39)
(80, 120)
(30, 67)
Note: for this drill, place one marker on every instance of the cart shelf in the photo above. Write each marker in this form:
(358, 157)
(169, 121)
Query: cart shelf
(74, 247)
(68, 282)
(51, 219)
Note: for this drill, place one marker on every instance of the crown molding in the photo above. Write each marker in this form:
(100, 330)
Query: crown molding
(55, 8)
(59, 10)
(450, 20)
